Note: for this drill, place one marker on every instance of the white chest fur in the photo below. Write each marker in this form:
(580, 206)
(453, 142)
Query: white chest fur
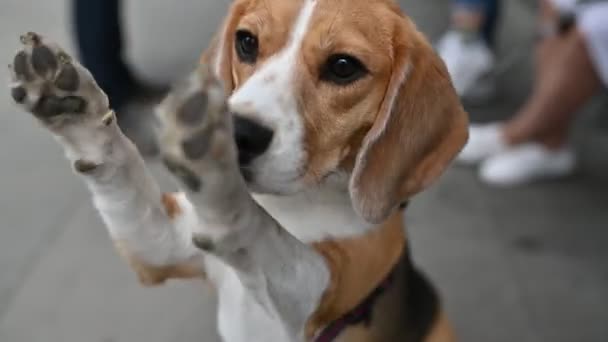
(241, 317)
(316, 214)
(311, 215)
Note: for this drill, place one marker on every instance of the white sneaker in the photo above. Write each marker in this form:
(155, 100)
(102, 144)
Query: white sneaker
(527, 163)
(468, 60)
(484, 141)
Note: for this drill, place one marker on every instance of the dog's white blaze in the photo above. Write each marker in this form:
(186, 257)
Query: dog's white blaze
(269, 97)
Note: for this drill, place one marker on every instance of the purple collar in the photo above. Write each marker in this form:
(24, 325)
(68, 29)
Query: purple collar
(362, 313)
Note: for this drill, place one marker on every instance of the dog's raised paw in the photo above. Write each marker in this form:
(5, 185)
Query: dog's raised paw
(196, 133)
(49, 83)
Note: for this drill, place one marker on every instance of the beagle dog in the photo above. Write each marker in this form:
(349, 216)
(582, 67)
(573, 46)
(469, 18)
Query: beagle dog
(297, 143)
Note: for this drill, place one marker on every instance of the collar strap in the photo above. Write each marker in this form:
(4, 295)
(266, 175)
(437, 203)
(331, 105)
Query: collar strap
(362, 313)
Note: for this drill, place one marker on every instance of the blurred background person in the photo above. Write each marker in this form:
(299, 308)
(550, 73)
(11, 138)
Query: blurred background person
(467, 47)
(100, 41)
(571, 65)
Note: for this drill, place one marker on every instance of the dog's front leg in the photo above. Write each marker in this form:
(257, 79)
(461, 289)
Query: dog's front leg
(286, 276)
(64, 97)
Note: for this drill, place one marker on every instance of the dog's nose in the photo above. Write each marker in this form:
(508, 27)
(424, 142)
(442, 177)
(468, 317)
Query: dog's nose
(252, 139)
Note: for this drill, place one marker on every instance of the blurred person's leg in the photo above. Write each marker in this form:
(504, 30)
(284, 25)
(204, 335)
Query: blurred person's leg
(97, 25)
(570, 68)
(99, 38)
(467, 46)
(537, 137)
(478, 17)
(567, 82)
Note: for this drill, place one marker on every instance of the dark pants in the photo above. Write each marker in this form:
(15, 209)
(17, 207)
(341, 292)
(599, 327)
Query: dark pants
(97, 25)
(490, 8)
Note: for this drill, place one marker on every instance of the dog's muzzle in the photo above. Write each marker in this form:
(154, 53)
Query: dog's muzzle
(252, 139)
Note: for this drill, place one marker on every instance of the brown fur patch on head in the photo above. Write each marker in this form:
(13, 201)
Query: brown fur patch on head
(269, 21)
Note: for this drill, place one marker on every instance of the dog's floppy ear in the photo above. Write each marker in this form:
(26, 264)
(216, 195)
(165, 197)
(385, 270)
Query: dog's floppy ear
(418, 130)
(218, 55)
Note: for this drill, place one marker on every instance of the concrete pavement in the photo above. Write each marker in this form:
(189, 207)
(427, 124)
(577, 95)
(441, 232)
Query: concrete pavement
(526, 264)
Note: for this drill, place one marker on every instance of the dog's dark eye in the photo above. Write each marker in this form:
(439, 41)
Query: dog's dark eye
(342, 69)
(246, 45)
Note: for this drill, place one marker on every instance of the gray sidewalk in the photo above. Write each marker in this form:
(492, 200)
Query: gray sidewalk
(527, 264)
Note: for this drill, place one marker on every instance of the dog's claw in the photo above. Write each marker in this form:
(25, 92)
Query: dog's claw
(203, 242)
(30, 38)
(85, 166)
(108, 118)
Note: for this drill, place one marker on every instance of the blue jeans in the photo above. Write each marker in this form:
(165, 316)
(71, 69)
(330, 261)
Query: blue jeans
(98, 33)
(490, 9)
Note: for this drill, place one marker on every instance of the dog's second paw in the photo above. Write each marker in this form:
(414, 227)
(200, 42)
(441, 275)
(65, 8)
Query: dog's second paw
(196, 138)
(47, 82)
(198, 147)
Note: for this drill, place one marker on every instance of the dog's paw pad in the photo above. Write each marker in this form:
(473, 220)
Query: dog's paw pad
(194, 123)
(196, 146)
(18, 94)
(192, 111)
(21, 66)
(51, 106)
(44, 61)
(47, 82)
(68, 79)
